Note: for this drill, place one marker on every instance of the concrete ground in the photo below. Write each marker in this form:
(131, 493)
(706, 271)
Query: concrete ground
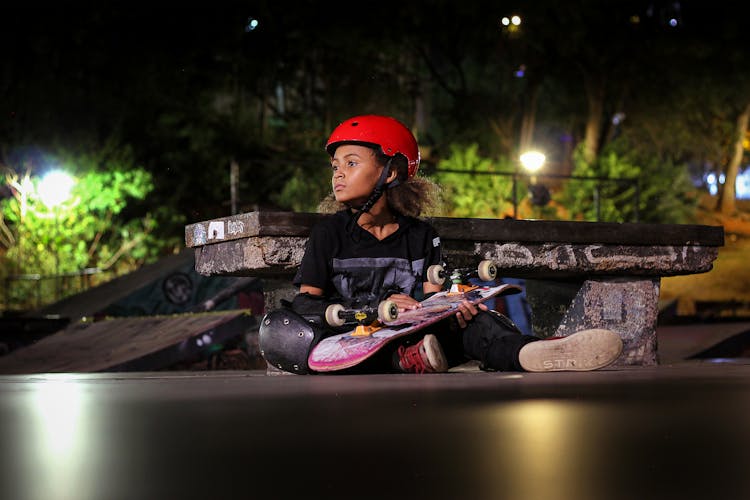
(677, 430)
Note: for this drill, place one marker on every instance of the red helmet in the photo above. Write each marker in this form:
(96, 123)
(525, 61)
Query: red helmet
(388, 133)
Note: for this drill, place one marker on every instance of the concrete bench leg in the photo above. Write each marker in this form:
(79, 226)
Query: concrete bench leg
(625, 305)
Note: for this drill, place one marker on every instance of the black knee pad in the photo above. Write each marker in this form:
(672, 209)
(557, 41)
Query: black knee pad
(286, 339)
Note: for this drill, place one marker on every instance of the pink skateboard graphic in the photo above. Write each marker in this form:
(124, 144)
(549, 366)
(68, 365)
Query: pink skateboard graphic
(349, 349)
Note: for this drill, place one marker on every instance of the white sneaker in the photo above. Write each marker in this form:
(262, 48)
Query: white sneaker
(582, 351)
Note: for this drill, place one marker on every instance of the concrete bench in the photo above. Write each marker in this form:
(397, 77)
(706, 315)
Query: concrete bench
(577, 274)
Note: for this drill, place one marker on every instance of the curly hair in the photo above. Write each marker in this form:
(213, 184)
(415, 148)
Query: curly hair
(411, 197)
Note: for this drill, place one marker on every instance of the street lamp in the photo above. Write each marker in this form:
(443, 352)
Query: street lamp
(532, 161)
(54, 190)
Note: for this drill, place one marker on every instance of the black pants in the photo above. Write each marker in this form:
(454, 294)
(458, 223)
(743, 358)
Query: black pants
(490, 338)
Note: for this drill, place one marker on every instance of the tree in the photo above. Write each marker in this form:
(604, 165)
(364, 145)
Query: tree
(469, 187)
(633, 188)
(103, 225)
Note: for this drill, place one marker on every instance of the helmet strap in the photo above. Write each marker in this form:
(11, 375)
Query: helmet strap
(377, 192)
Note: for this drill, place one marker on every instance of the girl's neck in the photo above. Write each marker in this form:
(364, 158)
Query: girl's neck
(380, 222)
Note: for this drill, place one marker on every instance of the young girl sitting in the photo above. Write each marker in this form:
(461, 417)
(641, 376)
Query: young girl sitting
(374, 247)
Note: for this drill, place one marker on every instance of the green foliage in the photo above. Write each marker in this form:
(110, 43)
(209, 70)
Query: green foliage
(472, 191)
(304, 189)
(665, 194)
(100, 225)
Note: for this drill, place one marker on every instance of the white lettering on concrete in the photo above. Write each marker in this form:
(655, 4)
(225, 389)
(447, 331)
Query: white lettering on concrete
(663, 259)
(235, 226)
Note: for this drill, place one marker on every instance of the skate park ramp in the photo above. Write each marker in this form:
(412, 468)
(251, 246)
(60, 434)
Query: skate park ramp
(132, 344)
(728, 339)
(168, 286)
(146, 319)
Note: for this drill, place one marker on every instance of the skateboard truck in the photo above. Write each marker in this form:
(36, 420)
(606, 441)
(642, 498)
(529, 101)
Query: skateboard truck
(368, 319)
(485, 271)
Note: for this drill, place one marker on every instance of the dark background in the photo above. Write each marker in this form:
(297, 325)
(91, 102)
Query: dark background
(189, 87)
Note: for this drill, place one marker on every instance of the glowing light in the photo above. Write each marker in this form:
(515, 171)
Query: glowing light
(742, 188)
(59, 441)
(541, 432)
(505, 21)
(252, 23)
(58, 408)
(54, 188)
(516, 20)
(673, 22)
(532, 160)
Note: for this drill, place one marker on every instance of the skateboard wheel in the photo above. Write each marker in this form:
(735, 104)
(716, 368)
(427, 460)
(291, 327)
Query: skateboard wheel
(436, 274)
(487, 270)
(332, 315)
(387, 310)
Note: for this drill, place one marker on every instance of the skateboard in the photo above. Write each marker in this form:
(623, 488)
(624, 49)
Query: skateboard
(348, 349)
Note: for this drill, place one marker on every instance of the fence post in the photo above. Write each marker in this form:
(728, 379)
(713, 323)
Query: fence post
(597, 204)
(637, 200)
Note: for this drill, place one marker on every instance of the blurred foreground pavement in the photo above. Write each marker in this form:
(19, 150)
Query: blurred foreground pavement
(679, 430)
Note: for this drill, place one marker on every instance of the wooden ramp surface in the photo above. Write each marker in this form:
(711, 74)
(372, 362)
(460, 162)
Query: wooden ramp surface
(116, 343)
(681, 342)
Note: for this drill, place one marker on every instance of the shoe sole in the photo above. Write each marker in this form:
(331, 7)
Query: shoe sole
(582, 351)
(435, 353)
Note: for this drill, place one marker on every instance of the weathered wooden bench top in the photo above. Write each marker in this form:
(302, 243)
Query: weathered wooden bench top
(272, 243)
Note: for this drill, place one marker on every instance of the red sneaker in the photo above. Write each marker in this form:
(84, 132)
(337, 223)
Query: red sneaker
(426, 356)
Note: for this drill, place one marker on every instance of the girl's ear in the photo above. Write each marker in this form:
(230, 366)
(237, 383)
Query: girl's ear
(392, 175)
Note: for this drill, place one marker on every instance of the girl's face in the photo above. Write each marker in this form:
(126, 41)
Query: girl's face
(355, 173)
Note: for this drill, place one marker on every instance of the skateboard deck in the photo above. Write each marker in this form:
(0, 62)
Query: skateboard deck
(349, 349)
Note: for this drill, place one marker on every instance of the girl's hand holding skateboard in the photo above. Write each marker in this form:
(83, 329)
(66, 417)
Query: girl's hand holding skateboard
(467, 311)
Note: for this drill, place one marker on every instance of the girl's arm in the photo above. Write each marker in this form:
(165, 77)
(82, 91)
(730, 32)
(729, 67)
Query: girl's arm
(405, 302)
(312, 290)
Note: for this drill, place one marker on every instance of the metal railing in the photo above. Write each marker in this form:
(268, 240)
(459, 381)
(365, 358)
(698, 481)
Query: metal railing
(597, 187)
(31, 291)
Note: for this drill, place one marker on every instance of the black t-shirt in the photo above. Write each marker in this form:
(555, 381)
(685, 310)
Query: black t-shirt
(350, 264)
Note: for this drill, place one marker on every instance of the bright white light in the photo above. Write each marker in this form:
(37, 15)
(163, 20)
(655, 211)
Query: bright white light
(516, 20)
(252, 23)
(58, 408)
(532, 160)
(742, 188)
(673, 22)
(505, 21)
(59, 439)
(55, 187)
